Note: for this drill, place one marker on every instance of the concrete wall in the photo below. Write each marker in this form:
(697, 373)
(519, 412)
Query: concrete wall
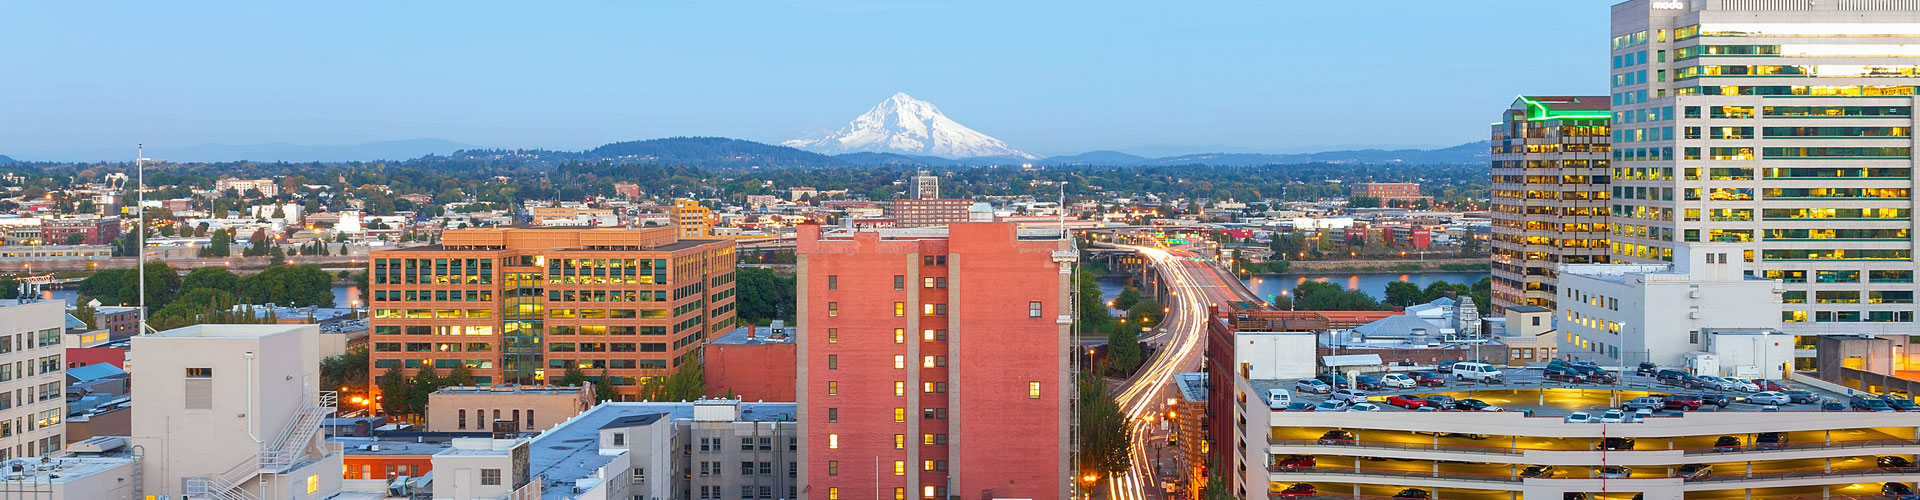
(20, 328)
(260, 376)
(542, 407)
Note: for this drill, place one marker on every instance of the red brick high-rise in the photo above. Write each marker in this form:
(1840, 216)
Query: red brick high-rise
(933, 357)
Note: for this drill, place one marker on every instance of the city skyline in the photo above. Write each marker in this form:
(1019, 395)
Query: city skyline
(1150, 80)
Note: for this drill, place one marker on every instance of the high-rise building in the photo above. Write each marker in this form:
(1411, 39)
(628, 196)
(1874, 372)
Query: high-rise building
(692, 219)
(525, 304)
(1550, 168)
(935, 362)
(32, 379)
(911, 213)
(924, 186)
(1784, 126)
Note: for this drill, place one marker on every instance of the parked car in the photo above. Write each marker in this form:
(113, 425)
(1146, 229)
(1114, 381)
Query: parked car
(1690, 472)
(1428, 379)
(1646, 403)
(1615, 443)
(1576, 495)
(1298, 490)
(1368, 382)
(1832, 406)
(1717, 400)
(1769, 385)
(1479, 372)
(1333, 405)
(1869, 403)
(1726, 443)
(1769, 398)
(1612, 416)
(1279, 398)
(1349, 395)
(1364, 407)
(1770, 441)
(1542, 471)
(1342, 438)
(1300, 406)
(1442, 402)
(1397, 381)
(1684, 402)
(1646, 369)
(1578, 417)
(1408, 402)
(1445, 366)
(1597, 374)
(1564, 374)
(1313, 386)
(1744, 385)
(1337, 381)
(1670, 375)
(1712, 382)
(1899, 491)
(1297, 462)
(1420, 493)
(1613, 472)
(1801, 396)
(1471, 404)
(1893, 462)
(1900, 403)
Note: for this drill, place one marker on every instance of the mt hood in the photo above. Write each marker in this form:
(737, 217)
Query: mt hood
(905, 125)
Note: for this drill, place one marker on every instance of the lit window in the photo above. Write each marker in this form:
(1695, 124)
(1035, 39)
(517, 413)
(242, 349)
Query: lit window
(833, 493)
(313, 483)
(899, 335)
(833, 310)
(926, 361)
(833, 441)
(899, 415)
(899, 309)
(899, 441)
(928, 309)
(899, 361)
(833, 335)
(899, 388)
(899, 493)
(199, 373)
(1033, 390)
(833, 388)
(899, 467)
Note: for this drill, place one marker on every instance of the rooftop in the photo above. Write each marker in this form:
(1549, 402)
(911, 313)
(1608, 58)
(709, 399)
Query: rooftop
(571, 450)
(510, 389)
(778, 333)
(68, 468)
(1193, 385)
(1526, 390)
(228, 331)
(372, 446)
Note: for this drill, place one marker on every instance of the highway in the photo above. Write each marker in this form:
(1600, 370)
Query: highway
(1194, 286)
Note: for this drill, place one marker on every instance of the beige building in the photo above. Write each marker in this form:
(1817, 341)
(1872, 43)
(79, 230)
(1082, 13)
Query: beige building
(96, 469)
(234, 411)
(1550, 170)
(1529, 335)
(484, 468)
(470, 409)
(32, 379)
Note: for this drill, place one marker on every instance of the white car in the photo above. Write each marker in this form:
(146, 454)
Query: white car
(1743, 385)
(1770, 398)
(1397, 381)
(1612, 416)
(1332, 405)
(1349, 395)
(1364, 407)
(1312, 386)
(1578, 417)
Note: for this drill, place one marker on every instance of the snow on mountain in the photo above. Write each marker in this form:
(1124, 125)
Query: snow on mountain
(905, 125)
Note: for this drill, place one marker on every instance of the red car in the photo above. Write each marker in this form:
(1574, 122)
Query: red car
(1408, 402)
(1297, 490)
(1770, 386)
(1428, 379)
(1296, 462)
(1684, 402)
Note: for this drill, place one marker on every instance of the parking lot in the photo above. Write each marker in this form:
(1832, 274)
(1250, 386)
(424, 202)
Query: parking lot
(1512, 472)
(1694, 445)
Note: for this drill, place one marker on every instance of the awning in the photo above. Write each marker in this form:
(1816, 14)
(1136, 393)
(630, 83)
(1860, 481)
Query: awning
(1351, 360)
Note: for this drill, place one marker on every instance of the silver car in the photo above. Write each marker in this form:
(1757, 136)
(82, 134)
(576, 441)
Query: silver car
(1613, 472)
(1312, 386)
(1770, 398)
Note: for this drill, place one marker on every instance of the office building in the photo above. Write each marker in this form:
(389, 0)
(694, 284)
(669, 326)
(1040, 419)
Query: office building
(941, 356)
(923, 186)
(1626, 314)
(83, 230)
(694, 220)
(1532, 446)
(32, 379)
(911, 213)
(1782, 126)
(1390, 193)
(233, 411)
(1550, 168)
(525, 304)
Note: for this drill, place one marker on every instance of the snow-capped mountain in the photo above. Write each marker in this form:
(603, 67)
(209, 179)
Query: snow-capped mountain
(905, 125)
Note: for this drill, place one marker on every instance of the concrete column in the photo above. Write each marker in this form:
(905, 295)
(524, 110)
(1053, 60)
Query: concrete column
(912, 404)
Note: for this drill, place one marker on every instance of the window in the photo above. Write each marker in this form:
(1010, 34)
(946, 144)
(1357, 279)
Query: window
(833, 493)
(934, 335)
(313, 483)
(899, 388)
(746, 444)
(490, 477)
(746, 469)
(833, 415)
(899, 361)
(1033, 390)
(833, 282)
(899, 282)
(833, 361)
(899, 415)
(833, 467)
(833, 309)
(463, 417)
(833, 388)
(899, 468)
(1033, 309)
(899, 309)
(639, 474)
(833, 441)
(900, 493)
(199, 373)
(933, 361)
(833, 335)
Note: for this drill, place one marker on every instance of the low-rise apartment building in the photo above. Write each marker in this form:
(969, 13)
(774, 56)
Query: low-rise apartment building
(32, 379)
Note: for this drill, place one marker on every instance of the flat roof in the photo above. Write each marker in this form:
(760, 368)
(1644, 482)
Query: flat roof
(65, 468)
(228, 331)
(761, 335)
(1526, 390)
(1193, 385)
(367, 446)
(571, 450)
(509, 389)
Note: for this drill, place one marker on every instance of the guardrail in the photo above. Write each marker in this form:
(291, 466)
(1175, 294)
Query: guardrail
(1806, 473)
(1515, 478)
(1402, 473)
(1517, 450)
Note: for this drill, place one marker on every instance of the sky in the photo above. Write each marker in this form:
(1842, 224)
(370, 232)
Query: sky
(85, 79)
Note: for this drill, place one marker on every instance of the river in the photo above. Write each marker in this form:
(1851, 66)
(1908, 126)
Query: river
(343, 295)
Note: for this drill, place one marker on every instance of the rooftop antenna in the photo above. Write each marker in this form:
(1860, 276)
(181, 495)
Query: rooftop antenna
(140, 212)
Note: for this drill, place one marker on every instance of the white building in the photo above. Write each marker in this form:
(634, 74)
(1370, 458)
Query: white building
(267, 187)
(1624, 314)
(233, 411)
(32, 379)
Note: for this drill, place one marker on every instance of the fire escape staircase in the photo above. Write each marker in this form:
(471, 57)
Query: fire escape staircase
(275, 456)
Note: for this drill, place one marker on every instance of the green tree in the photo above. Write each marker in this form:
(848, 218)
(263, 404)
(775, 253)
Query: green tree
(1126, 299)
(761, 295)
(425, 381)
(1105, 437)
(1317, 296)
(1438, 289)
(220, 244)
(1146, 312)
(603, 390)
(573, 377)
(298, 286)
(1123, 349)
(395, 389)
(217, 278)
(76, 239)
(1401, 293)
(344, 370)
(459, 376)
(1483, 295)
(1218, 487)
(1093, 314)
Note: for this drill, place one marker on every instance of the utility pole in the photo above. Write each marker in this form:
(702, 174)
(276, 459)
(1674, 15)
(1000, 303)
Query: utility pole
(140, 214)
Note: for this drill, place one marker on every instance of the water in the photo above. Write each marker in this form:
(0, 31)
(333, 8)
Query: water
(1374, 284)
(343, 295)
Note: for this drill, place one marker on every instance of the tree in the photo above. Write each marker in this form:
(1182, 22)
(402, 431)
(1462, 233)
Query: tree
(425, 381)
(573, 377)
(1093, 313)
(1105, 437)
(1401, 293)
(1317, 296)
(1146, 312)
(1123, 349)
(220, 244)
(76, 238)
(344, 370)
(1483, 295)
(1438, 289)
(395, 389)
(459, 376)
(1126, 299)
(297, 286)
(603, 390)
(217, 278)
(760, 294)
(1218, 487)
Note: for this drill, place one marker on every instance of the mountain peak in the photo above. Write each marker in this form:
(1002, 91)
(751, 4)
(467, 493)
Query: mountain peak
(902, 124)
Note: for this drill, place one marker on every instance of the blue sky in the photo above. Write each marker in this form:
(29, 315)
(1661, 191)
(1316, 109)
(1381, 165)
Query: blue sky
(1055, 77)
